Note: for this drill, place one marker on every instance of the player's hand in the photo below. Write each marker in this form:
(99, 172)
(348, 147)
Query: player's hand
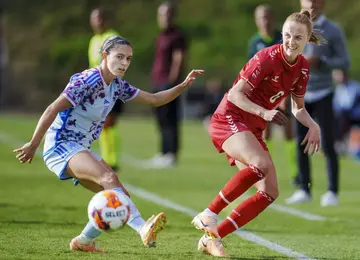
(312, 139)
(191, 77)
(26, 152)
(275, 116)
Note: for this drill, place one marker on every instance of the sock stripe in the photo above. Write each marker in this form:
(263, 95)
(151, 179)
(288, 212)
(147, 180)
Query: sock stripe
(223, 197)
(233, 222)
(264, 194)
(256, 170)
(237, 213)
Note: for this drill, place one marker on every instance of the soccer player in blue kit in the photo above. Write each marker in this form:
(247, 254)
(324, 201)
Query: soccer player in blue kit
(75, 119)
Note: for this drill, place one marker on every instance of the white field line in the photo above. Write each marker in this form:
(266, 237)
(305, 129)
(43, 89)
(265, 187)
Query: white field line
(4, 138)
(137, 163)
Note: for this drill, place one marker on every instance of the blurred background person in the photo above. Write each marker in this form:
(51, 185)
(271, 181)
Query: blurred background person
(318, 100)
(167, 71)
(267, 36)
(109, 138)
(346, 105)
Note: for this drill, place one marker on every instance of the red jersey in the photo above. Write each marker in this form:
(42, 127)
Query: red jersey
(272, 79)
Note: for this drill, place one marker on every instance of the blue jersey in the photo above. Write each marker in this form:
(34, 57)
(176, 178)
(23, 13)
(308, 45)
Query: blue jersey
(92, 100)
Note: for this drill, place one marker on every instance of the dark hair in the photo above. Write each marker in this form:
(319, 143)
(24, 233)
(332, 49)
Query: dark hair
(304, 17)
(113, 41)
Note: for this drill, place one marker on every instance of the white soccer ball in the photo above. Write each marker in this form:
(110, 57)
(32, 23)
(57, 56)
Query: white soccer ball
(108, 210)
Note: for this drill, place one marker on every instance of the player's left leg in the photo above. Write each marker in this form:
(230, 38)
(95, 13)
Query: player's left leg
(248, 209)
(149, 229)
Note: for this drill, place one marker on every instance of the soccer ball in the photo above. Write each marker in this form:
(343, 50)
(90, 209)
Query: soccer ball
(108, 210)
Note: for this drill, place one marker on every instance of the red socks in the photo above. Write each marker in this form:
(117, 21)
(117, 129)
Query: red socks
(244, 213)
(235, 187)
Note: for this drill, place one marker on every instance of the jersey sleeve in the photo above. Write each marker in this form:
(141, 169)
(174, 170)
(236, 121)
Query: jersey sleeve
(179, 42)
(128, 92)
(258, 68)
(300, 85)
(75, 90)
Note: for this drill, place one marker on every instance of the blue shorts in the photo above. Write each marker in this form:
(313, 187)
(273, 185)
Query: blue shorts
(57, 158)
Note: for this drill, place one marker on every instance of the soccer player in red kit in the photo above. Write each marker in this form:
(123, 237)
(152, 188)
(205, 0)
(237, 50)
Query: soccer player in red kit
(237, 124)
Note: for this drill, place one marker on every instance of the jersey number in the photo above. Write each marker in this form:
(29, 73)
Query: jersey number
(276, 96)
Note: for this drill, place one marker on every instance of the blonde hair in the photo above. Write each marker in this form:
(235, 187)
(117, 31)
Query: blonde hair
(304, 17)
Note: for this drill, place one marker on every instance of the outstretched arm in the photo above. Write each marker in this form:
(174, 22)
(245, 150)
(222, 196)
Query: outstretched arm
(27, 152)
(166, 96)
(312, 138)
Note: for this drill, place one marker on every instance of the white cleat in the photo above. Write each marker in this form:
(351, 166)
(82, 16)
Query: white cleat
(206, 223)
(329, 199)
(212, 246)
(162, 161)
(299, 196)
(151, 228)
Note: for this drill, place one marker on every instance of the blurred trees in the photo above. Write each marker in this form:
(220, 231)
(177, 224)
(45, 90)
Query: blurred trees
(48, 40)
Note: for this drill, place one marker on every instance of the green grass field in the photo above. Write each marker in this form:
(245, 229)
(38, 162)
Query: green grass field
(39, 214)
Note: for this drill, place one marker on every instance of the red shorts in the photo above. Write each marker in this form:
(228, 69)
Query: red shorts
(223, 126)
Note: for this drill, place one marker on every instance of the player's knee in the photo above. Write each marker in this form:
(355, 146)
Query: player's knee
(263, 164)
(273, 192)
(108, 178)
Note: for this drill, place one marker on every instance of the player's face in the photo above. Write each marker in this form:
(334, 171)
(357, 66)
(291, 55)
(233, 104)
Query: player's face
(119, 59)
(295, 36)
(316, 6)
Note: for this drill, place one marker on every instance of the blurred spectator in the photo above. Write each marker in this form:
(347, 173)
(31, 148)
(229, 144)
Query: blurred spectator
(346, 105)
(212, 98)
(167, 71)
(318, 101)
(267, 36)
(109, 138)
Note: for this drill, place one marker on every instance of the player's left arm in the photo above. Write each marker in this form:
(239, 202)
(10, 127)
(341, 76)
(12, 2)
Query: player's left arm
(313, 136)
(166, 96)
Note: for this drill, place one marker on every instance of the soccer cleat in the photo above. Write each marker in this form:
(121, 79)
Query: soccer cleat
(75, 245)
(299, 196)
(151, 228)
(206, 223)
(212, 246)
(329, 199)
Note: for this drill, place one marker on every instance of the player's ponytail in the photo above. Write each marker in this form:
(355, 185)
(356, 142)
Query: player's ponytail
(304, 17)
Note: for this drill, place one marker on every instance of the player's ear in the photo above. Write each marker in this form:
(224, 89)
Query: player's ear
(104, 54)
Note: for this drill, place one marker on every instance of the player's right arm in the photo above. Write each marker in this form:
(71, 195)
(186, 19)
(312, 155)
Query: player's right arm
(71, 97)
(251, 75)
(27, 151)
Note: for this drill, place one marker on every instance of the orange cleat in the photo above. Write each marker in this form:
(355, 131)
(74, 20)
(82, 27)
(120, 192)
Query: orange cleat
(77, 246)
